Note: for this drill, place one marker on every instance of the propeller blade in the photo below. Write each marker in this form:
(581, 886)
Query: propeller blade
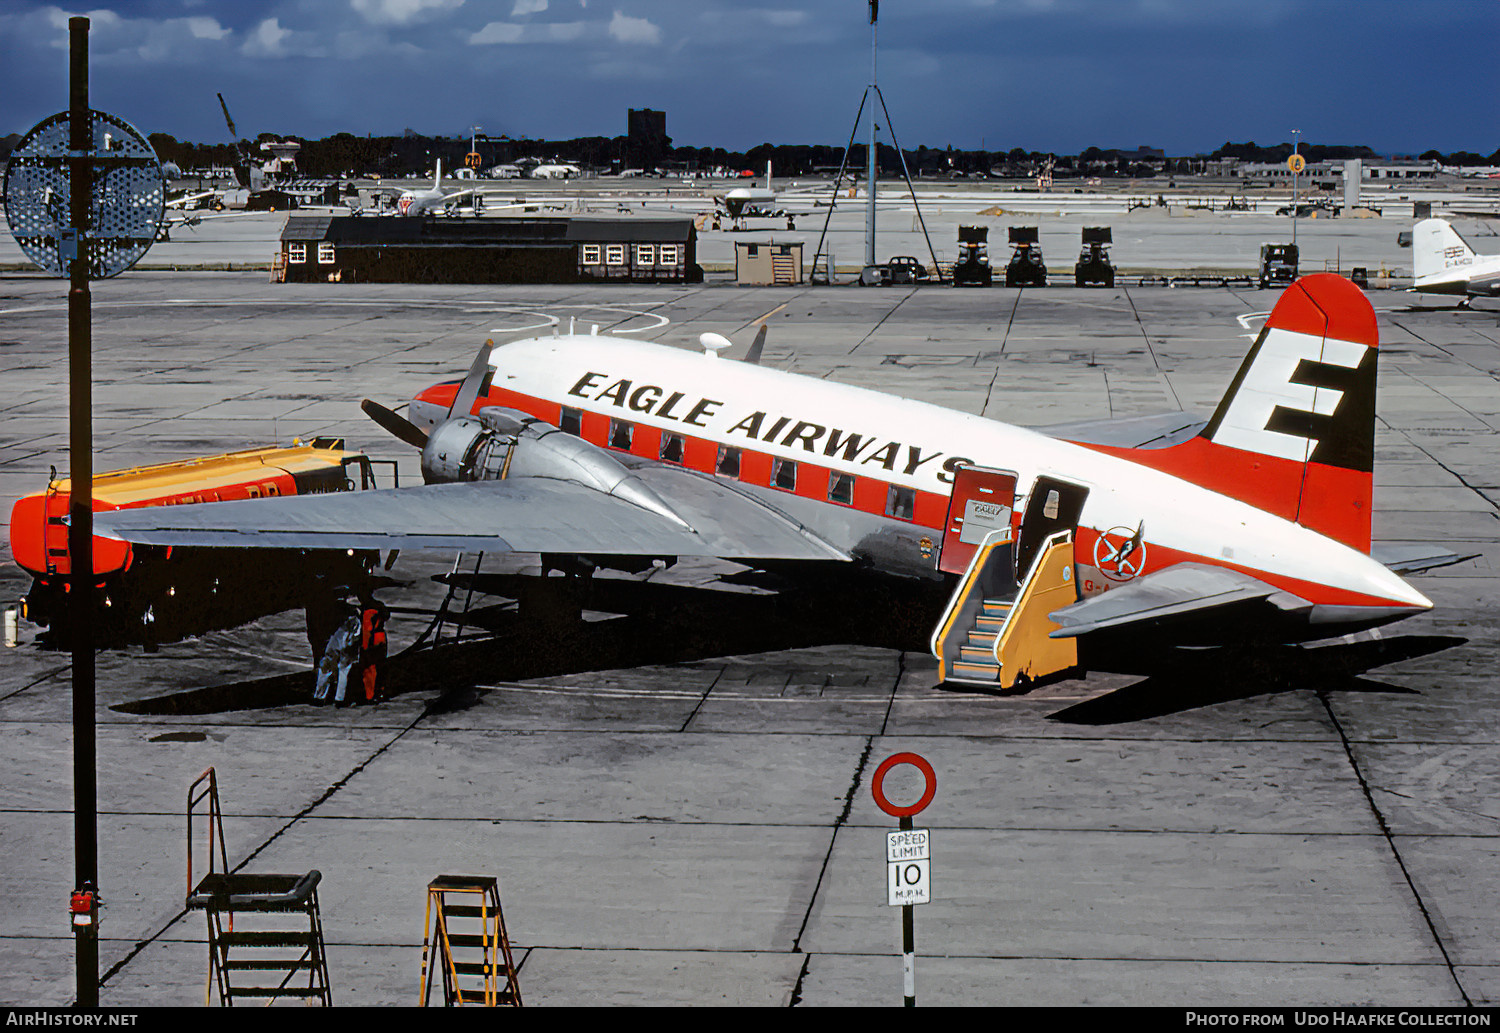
(753, 355)
(395, 423)
(468, 391)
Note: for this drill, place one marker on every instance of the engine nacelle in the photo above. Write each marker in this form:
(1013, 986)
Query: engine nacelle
(465, 449)
(508, 442)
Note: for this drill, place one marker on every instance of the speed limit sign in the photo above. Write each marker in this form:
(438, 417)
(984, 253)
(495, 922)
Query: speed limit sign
(908, 857)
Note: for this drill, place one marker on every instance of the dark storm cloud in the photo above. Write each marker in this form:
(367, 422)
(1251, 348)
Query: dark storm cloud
(1185, 75)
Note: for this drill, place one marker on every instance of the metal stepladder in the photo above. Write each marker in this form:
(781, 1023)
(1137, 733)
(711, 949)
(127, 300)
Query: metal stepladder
(245, 962)
(477, 965)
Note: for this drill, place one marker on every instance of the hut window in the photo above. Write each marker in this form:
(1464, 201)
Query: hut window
(591, 254)
(296, 252)
(645, 254)
(614, 254)
(325, 253)
(669, 254)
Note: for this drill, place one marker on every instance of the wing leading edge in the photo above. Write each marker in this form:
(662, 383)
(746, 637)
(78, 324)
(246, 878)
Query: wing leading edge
(519, 514)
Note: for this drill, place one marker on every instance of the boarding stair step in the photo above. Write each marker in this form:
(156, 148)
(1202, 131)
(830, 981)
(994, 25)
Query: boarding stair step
(964, 670)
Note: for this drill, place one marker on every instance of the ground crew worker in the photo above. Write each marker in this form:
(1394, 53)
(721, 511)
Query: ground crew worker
(372, 647)
(338, 662)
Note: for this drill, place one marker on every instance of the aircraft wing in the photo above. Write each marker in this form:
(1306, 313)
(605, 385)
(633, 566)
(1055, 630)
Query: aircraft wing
(519, 514)
(1180, 591)
(1155, 431)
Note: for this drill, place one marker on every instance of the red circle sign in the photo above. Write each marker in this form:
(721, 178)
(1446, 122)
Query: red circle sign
(877, 786)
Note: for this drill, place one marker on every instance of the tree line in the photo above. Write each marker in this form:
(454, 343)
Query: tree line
(410, 152)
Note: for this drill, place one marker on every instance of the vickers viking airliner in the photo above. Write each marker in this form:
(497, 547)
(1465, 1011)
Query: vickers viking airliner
(1165, 530)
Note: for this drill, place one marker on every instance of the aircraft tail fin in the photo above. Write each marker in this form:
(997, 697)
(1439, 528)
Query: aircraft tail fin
(1437, 248)
(1297, 425)
(1295, 433)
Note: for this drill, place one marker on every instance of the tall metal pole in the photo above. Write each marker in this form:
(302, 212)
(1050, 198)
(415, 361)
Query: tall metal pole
(871, 164)
(908, 943)
(81, 518)
(1295, 133)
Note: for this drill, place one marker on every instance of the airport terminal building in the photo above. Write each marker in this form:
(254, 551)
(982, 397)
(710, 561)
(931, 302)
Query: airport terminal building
(505, 249)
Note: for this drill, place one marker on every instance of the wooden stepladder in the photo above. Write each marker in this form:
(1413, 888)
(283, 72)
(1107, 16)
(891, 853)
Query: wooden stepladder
(464, 937)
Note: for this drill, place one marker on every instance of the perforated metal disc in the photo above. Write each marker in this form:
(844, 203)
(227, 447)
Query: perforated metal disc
(128, 196)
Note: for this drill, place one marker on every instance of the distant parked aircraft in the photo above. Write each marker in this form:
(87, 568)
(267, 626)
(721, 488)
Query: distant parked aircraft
(1443, 263)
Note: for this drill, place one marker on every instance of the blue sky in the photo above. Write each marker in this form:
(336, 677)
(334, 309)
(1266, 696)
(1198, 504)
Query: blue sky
(1059, 75)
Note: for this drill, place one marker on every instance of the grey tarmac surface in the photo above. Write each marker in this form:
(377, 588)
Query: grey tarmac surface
(680, 811)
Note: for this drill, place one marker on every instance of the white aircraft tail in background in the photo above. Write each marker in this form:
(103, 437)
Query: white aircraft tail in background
(1443, 263)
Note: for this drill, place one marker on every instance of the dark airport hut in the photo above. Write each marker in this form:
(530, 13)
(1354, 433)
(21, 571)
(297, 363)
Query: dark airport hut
(505, 249)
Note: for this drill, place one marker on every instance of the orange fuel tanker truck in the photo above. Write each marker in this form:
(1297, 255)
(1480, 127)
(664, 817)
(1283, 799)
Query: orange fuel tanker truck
(149, 594)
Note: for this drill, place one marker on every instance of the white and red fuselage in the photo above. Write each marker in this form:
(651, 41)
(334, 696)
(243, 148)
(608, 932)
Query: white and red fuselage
(1194, 500)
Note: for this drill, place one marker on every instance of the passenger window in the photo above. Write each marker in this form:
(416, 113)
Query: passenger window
(901, 503)
(671, 447)
(784, 474)
(841, 488)
(729, 462)
(620, 434)
(1049, 508)
(571, 422)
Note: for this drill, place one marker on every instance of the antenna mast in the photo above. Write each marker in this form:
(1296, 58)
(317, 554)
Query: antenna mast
(871, 96)
(872, 167)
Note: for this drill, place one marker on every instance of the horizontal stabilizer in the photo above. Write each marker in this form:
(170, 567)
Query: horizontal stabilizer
(1415, 558)
(1159, 430)
(519, 514)
(1180, 590)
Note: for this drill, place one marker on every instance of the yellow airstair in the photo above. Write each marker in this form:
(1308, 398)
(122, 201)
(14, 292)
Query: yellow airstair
(995, 632)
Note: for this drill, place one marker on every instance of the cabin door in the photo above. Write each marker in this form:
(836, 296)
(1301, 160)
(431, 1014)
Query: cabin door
(983, 500)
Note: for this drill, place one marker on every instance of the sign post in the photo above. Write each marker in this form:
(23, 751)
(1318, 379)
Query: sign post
(84, 197)
(908, 859)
